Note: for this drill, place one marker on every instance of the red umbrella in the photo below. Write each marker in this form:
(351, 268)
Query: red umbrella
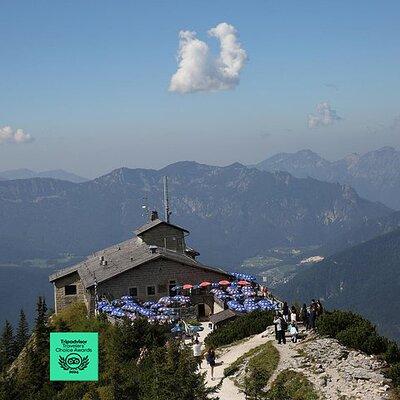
(243, 283)
(224, 283)
(205, 284)
(187, 286)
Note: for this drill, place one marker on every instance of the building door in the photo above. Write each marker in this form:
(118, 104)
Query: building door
(201, 310)
(171, 285)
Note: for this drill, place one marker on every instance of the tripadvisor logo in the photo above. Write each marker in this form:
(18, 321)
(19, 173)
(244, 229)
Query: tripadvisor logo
(74, 356)
(73, 363)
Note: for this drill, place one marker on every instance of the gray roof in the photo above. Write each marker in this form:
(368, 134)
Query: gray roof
(222, 316)
(123, 257)
(156, 222)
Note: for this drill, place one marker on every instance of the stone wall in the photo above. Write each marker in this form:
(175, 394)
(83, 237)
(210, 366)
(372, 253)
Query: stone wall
(157, 273)
(61, 300)
(165, 236)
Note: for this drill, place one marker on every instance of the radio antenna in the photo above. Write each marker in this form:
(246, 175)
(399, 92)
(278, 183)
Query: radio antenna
(167, 212)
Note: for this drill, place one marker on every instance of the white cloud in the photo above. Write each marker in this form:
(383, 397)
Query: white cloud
(198, 70)
(324, 116)
(8, 135)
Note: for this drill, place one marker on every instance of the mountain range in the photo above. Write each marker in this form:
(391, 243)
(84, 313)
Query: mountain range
(24, 173)
(374, 175)
(233, 212)
(364, 278)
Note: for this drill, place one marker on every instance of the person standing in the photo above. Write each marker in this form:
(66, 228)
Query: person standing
(320, 309)
(293, 315)
(313, 314)
(197, 351)
(285, 311)
(280, 324)
(211, 360)
(305, 316)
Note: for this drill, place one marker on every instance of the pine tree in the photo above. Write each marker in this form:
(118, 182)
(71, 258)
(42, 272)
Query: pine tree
(22, 335)
(7, 345)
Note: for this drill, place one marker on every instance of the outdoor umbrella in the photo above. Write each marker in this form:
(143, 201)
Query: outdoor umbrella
(187, 286)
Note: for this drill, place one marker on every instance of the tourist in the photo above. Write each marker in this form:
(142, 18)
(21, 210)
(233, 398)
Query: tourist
(320, 309)
(197, 352)
(294, 332)
(305, 316)
(293, 315)
(313, 314)
(211, 360)
(285, 311)
(281, 326)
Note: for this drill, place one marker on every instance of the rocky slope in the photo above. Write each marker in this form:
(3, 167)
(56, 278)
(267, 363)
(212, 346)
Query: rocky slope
(375, 175)
(335, 372)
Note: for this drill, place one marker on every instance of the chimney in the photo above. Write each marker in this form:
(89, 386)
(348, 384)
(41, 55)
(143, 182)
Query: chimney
(153, 215)
(153, 249)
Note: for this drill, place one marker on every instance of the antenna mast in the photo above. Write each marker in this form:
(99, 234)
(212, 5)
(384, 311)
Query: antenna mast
(167, 212)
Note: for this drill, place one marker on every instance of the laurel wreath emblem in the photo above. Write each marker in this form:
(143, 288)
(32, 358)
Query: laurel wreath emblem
(63, 363)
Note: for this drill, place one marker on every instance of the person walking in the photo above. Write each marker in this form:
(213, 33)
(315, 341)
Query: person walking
(294, 332)
(196, 347)
(285, 311)
(281, 326)
(211, 360)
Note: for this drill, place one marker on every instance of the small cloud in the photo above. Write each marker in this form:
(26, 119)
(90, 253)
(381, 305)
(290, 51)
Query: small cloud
(8, 135)
(323, 116)
(198, 70)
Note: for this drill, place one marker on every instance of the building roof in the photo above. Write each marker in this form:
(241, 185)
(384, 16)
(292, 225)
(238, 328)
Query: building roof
(222, 316)
(121, 258)
(157, 222)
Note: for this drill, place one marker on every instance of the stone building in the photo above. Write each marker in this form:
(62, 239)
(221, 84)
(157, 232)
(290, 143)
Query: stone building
(145, 267)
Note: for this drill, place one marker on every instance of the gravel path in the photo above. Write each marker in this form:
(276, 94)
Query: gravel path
(228, 390)
(335, 371)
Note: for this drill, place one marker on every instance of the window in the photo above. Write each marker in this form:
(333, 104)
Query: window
(70, 290)
(133, 291)
(162, 288)
(151, 290)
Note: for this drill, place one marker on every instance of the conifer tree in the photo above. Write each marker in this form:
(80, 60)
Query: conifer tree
(7, 345)
(22, 335)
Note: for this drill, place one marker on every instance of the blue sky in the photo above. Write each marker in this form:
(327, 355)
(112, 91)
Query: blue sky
(88, 80)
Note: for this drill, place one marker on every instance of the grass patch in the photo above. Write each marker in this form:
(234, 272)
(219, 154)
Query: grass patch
(258, 365)
(291, 385)
(236, 365)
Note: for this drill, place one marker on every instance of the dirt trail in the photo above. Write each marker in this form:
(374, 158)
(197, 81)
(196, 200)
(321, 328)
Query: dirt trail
(335, 371)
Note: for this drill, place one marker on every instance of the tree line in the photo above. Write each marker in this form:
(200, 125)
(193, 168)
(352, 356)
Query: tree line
(137, 361)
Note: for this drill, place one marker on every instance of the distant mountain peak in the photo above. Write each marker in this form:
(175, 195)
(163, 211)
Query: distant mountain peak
(375, 175)
(24, 173)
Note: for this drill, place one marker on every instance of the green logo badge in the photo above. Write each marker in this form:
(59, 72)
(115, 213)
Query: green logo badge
(74, 356)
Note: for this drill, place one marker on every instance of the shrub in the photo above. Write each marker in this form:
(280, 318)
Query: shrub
(242, 327)
(394, 374)
(363, 336)
(331, 323)
(392, 354)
